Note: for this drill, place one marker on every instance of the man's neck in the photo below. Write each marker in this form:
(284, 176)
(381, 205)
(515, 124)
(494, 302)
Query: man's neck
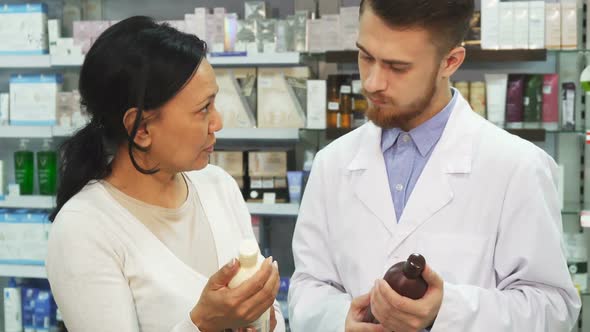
(440, 100)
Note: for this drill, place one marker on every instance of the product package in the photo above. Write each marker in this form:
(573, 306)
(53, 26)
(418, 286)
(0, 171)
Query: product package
(568, 101)
(514, 101)
(553, 25)
(236, 99)
(246, 37)
(282, 97)
(254, 10)
(533, 101)
(267, 37)
(33, 99)
(506, 25)
(230, 31)
(23, 29)
(349, 21)
(4, 109)
(490, 24)
(521, 24)
(551, 101)
(496, 88)
(316, 104)
(569, 24)
(477, 97)
(536, 24)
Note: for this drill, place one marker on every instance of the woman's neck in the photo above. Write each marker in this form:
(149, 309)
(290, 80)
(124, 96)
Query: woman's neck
(164, 189)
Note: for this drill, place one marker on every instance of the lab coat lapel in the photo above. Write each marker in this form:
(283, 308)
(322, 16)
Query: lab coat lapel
(369, 177)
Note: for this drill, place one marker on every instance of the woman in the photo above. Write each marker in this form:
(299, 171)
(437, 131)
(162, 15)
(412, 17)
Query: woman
(143, 225)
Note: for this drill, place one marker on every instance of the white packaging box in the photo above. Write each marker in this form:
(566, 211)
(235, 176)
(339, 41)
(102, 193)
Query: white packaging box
(190, 24)
(23, 29)
(349, 25)
(569, 24)
(267, 164)
(315, 40)
(230, 102)
(316, 104)
(201, 23)
(331, 32)
(4, 109)
(553, 25)
(33, 99)
(536, 24)
(506, 25)
(230, 31)
(278, 103)
(521, 25)
(218, 36)
(23, 237)
(490, 24)
(53, 31)
(231, 161)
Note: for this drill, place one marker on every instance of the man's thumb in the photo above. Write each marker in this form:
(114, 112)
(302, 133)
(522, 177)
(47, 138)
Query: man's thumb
(222, 277)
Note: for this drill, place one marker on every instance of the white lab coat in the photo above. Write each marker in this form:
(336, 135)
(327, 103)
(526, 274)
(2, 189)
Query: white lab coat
(484, 213)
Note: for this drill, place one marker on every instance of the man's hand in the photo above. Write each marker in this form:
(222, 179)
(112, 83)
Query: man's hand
(354, 319)
(401, 314)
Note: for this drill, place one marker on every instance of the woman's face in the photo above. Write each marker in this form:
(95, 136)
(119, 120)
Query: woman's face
(183, 132)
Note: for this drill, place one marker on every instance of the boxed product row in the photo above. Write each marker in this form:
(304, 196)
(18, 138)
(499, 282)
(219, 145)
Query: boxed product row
(530, 24)
(23, 236)
(38, 99)
(262, 176)
(522, 101)
(29, 306)
(24, 171)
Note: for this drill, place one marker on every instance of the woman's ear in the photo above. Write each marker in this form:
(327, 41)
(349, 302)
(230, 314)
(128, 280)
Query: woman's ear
(142, 137)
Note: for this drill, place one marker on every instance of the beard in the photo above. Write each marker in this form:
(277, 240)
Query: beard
(394, 115)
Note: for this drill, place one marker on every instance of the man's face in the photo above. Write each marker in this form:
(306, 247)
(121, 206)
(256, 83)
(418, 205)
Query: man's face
(399, 69)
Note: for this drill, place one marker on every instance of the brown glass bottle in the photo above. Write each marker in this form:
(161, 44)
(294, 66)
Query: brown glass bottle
(359, 105)
(406, 279)
(333, 107)
(345, 106)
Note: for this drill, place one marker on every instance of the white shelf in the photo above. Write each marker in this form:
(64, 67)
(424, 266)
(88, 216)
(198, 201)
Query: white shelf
(63, 131)
(67, 60)
(28, 202)
(279, 210)
(25, 61)
(259, 134)
(23, 271)
(286, 58)
(25, 132)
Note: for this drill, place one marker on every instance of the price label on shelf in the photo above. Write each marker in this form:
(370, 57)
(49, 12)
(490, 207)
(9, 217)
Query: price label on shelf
(585, 219)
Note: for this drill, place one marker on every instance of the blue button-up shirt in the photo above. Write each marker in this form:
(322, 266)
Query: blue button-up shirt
(406, 154)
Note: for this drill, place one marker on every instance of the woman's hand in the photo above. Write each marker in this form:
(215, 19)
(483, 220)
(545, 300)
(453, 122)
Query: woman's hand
(220, 307)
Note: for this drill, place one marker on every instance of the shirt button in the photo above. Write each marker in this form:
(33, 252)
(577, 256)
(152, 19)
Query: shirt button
(399, 187)
(406, 138)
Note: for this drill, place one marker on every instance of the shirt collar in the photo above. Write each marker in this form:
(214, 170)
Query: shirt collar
(427, 134)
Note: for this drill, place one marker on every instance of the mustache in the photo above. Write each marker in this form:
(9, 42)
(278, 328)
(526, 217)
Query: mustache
(376, 96)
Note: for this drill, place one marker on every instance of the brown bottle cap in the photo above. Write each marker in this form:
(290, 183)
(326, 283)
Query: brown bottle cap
(414, 266)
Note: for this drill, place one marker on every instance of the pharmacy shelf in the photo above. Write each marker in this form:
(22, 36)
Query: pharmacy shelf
(23, 271)
(277, 210)
(48, 202)
(25, 61)
(261, 59)
(67, 60)
(259, 134)
(25, 132)
(28, 202)
(473, 55)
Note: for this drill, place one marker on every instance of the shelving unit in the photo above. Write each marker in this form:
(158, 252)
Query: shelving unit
(25, 61)
(23, 271)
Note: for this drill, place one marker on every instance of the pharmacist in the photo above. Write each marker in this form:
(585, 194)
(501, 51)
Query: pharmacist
(428, 175)
(142, 242)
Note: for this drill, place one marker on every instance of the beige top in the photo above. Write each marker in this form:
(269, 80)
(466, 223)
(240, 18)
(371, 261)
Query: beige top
(184, 230)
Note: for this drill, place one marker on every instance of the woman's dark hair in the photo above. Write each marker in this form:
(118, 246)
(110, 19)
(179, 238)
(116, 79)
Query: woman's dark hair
(136, 63)
(447, 21)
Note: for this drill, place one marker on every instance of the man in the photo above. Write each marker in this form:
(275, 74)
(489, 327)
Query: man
(428, 175)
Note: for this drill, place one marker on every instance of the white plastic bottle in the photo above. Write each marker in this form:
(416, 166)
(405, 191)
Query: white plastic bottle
(250, 262)
(12, 308)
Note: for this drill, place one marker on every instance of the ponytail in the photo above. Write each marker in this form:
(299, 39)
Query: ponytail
(83, 158)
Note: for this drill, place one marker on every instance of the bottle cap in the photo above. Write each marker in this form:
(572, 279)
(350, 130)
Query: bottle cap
(249, 252)
(414, 266)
